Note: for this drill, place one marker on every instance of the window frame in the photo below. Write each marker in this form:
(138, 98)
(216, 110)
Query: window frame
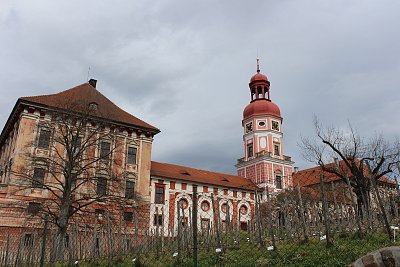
(47, 142)
(33, 208)
(108, 155)
(156, 201)
(250, 148)
(277, 124)
(38, 183)
(280, 181)
(132, 195)
(104, 179)
(131, 159)
(157, 221)
(128, 216)
(277, 148)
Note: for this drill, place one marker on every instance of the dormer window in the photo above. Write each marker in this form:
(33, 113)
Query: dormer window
(93, 106)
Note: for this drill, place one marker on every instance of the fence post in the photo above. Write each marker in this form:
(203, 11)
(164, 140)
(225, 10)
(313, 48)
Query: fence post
(216, 222)
(271, 225)
(302, 214)
(194, 225)
(325, 212)
(258, 219)
(46, 219)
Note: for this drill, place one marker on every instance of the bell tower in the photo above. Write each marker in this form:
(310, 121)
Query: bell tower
(264, 161)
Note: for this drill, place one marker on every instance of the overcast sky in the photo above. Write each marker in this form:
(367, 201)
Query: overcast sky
(184, 66)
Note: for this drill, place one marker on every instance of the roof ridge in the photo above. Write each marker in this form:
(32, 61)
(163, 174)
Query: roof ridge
(198, 169)
(70, 89)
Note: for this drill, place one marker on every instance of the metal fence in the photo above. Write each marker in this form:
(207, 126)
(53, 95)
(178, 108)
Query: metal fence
(278, 230)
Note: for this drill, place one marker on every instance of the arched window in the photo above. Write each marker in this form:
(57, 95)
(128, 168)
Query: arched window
(183, 203)
(243, 210)
(259, 92)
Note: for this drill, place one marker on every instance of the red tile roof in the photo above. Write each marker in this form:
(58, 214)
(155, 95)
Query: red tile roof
(311, 176)
(183, 173)
(84, 94)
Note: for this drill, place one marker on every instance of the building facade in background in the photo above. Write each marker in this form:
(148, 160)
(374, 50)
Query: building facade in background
(122, 169)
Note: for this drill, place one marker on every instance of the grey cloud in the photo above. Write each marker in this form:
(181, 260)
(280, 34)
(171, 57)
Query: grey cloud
(184, 66)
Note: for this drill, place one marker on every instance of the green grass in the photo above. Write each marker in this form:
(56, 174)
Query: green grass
(314, 253)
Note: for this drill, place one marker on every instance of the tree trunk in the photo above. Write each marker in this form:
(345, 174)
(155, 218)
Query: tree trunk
(62, 231)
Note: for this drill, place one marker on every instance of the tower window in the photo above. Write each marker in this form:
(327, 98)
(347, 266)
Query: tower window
(250, 150)
(276, 150)
(259, 92)
(249, 127)
(275, 125)
(278, 182)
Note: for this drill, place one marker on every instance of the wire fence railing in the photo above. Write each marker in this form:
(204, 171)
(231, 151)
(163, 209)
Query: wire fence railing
(274, 230)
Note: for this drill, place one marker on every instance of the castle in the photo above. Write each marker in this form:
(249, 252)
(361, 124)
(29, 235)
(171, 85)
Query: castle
(41, 166)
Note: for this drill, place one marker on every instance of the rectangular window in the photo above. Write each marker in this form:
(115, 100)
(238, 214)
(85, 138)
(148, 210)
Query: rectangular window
(158, 220)
(101, 186)
(38, 178)
(130, 189)
(33, 208)
(250, 150)
(44, 139)
(132, 151)
(28, 240)
(99, 213)
(159, 195)
(128, 216)
(275, 125)
(105, 149)
(279, 182)
(276, 150)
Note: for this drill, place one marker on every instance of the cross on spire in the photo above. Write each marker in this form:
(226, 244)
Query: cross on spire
(258, 65)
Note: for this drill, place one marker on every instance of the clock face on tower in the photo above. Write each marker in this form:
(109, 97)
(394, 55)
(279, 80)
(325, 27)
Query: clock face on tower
(249, 127)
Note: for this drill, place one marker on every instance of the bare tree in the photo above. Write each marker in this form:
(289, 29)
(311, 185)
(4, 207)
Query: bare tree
(80, 168)
(356, 158)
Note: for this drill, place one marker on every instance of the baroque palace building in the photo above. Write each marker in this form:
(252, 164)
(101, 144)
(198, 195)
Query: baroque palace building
(121, 155)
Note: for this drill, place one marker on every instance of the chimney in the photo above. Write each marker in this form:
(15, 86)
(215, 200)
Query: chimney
(93, 82)
(296, 170)
(336, 162)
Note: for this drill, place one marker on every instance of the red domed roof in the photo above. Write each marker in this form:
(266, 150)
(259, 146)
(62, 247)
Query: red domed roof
(259, 77)
(261, 107)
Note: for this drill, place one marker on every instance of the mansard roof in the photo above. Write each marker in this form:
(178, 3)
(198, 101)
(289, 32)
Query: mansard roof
(311, 176)
(83, 95)
(197, 176)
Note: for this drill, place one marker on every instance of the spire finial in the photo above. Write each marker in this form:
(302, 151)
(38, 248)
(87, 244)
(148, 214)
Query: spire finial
(258, 65)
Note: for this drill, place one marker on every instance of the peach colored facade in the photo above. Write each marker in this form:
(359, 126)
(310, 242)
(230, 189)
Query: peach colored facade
(19, 143)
